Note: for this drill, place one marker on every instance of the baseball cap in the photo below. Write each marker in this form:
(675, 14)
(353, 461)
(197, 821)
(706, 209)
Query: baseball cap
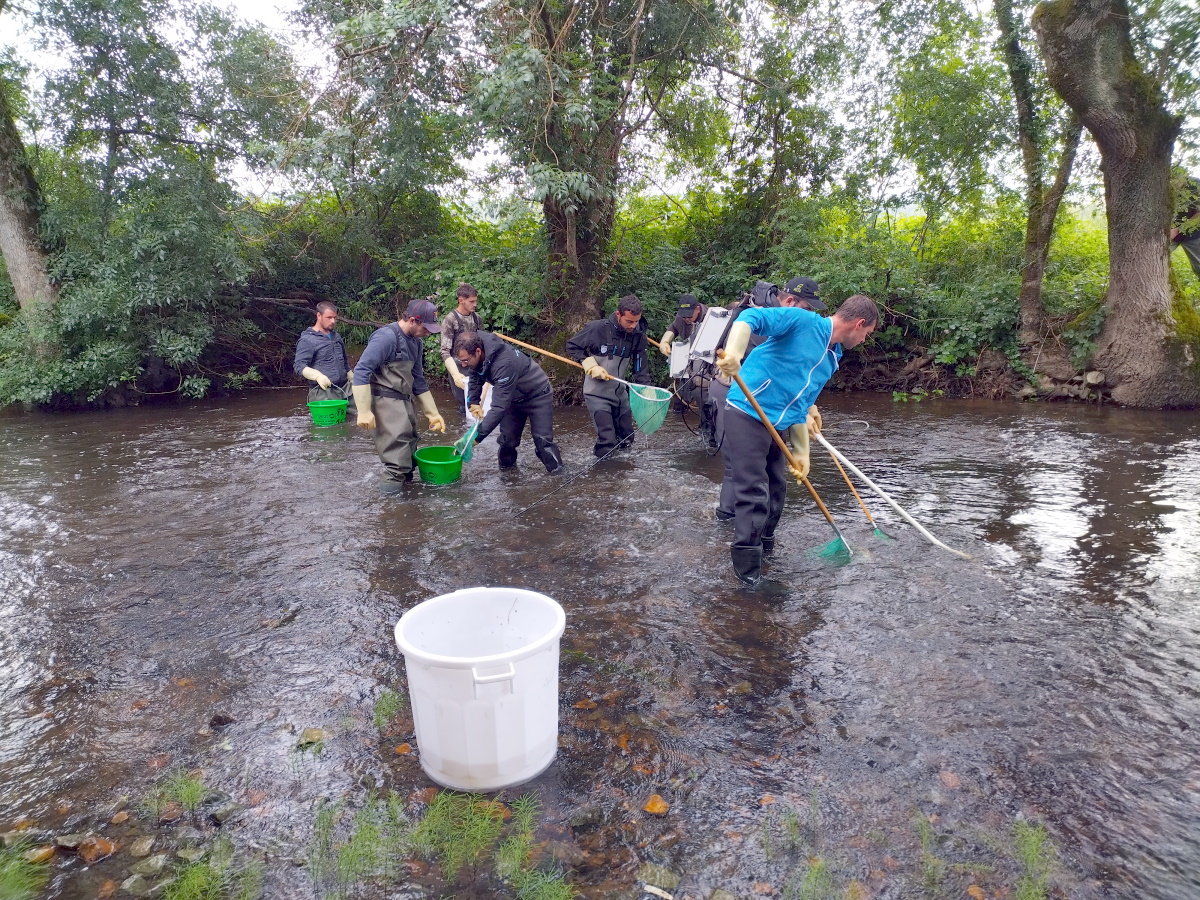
(426, 312)
(806, 289)
(687, 303)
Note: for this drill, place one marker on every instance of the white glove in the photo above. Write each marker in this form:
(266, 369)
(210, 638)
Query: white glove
(320, 378)
(730, 361)
(436, 422)
(594, 369)
(455, 374)
(665, 344)
(362, 400)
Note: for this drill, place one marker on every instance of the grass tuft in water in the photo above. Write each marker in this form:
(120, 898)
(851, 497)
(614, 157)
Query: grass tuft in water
(791, 826)
(20, 879)
(379, 837)
(933, 870)
(184, 788)
(1036, 854)
(388, 706)
(218, 877)
(816, 883)
(458, 829)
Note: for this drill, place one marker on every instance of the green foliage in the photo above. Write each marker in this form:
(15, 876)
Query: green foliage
(377, 837)
(814, 882)
(20, 879)
(933, 869)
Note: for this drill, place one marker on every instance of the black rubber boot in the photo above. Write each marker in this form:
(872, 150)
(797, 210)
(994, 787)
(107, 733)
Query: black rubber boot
(768, 545)
(722, 516)
(747, 563)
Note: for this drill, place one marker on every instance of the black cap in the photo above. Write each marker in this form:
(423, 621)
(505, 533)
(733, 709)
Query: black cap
(688, 303)
(805, 289)
(426, 312)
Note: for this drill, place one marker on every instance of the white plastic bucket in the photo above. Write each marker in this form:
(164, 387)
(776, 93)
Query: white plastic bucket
(482, 669)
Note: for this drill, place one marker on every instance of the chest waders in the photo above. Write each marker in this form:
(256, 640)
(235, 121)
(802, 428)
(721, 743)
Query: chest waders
(608, 401)
(395, 418)
(462, 323)
(316, 392)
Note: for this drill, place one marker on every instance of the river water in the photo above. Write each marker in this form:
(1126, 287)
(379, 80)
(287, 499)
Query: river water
(162, 566)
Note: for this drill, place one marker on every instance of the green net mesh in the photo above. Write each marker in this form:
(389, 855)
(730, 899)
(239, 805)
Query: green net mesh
(465, 445)
(649, 406)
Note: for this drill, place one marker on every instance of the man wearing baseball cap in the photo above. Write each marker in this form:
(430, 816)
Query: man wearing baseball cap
(804, 293)
(389, 375)
(691, 313)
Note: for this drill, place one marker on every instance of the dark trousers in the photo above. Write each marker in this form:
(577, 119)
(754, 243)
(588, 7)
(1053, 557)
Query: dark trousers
(538, 412)
(460, 398)
(613, 420)
(717, 393)
(758, 483)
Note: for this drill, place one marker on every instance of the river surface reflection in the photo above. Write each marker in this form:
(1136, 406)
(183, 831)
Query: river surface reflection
(162, 566)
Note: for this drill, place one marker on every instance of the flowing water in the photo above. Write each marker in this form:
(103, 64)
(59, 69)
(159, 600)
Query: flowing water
(162, 566)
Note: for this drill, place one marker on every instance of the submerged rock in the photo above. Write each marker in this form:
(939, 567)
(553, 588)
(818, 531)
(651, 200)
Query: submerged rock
(658, 876)
(70, 841)
(141, 847)
(151, 865)
(93, 849)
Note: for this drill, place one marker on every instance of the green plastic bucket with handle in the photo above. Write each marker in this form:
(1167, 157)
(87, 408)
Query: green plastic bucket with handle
(438, 464)
(328, 412)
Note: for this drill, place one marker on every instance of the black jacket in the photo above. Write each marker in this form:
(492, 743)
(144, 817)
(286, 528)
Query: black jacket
(514, 378)
(616, 350)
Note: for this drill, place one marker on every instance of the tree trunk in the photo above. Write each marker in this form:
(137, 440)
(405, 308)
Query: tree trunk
(578, 241)
(20, 202)
(1041, 209)
(1090, 62)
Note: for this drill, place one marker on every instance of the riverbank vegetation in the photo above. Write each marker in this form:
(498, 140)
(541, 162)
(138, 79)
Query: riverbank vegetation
(180, 187)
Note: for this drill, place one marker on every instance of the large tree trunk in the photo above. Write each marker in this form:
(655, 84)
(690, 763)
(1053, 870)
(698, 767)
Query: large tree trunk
(1091, 63)
(20, 202)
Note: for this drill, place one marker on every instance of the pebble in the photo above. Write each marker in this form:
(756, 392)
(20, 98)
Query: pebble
(70, 841)
(656, 805)
(141, 847)
(222, 815)
(40, 854)
(191, 854)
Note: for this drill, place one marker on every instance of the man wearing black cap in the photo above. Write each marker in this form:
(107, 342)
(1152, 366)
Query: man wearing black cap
(691, 313)
(389, 375)
(804, 293)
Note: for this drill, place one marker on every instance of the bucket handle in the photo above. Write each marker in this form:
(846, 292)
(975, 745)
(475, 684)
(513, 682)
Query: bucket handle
(492, 679)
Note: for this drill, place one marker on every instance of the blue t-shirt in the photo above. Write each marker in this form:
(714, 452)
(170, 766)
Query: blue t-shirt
(787, 371)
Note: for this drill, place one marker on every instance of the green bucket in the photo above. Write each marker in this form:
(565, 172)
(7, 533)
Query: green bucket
(328, 412)
(438, 464)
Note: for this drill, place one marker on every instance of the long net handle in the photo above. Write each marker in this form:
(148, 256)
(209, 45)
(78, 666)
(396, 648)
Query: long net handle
(896, 506)
(569, 362)
(850, 484)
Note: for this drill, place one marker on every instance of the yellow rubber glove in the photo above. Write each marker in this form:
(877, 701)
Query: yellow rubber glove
(799, 435)
(730, 362)
(665, 344)
(362, 400)
(593, 368)
(814, 421)
(457, 376)
(320, 378)
(476, 410)
(436, 422)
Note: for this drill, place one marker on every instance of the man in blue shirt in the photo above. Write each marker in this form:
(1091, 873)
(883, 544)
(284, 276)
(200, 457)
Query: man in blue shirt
(389, 376)
(785, 374)
(321, 358)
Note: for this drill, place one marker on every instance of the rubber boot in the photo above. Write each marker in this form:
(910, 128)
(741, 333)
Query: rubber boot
(768, 545)
(747, 563)
(507, 456)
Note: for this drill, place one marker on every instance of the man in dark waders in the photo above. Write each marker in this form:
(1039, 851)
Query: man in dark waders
(615, 346)
(785, 374)
(389, 375)
(520, 391)
(800, 292)
(321, 358)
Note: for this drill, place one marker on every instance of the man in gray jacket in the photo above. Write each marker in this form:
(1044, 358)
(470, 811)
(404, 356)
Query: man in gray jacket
(321, 358)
